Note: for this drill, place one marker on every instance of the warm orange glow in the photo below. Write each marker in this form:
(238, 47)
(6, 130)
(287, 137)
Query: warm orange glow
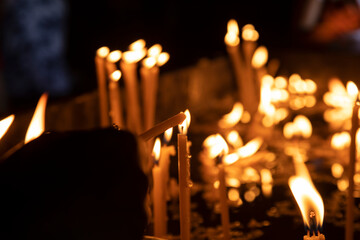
(233, 182)
(37, 124)
(352, 90)
(183, 127)
(115, 76)
(231, 119)
(233, 195)
(5, 124)
(133, 56)
(311, 86)
(280, 82)
(157, 149)
(234, 139)
(103, 52)
(249, 33)
(250, 148)
(163, 58)
(300, 127)
(231, 158)
(340, 140)
(216, 145)
(114, 56)
(308, 199)
(155, 50)
(149, 62)
(337, 170)
(168, 134)
(232, 35)
(137, 45)
(260, 57)
(266, 176)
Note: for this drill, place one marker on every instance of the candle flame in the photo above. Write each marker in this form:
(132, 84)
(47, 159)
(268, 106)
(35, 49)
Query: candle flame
(149, 62)
(260, 57)
(249, 33)
(340, 140)
(157, 149)
(163, 58)
(216, 145)
(134, 56)
(231, 119)
(114, 56)
(337, 170)
(250, 148)
(103, 52)
(300, 127)
(232, 35)
(155, 50)
(234, 139)
(115, 76)
(308, 199)
(168, 134)
(137, 45)
(5, 124)
(37, 124)
(352, 90)
(183, 127)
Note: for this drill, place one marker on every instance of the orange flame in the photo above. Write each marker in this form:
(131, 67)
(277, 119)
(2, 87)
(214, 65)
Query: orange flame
(103, 52)
(216, 145)
(249, 33)
(134, 56)
(115, 76)
(155, 50)
(114, 56)
(183, 127)
(231, 119)
(168, 134)
(250, 148)
(260, 57)
(340, 140)
(5, 124)
(137, 45)
(157, 149)
(301, 127)
(232, 35)
(163, 58)
(37, 124)
(234, 139)
(149, 62)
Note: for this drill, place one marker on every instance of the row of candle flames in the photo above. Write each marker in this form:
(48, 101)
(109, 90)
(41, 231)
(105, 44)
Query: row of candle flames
(277, 96)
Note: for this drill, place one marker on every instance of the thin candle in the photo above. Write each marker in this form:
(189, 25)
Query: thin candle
(116, 110)
(101, 54)
(5, 124)
(184, 179)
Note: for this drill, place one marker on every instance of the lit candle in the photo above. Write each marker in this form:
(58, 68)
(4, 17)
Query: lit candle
(246, 87)
(159, 198)
(128, 67)
(350, 205)
(258, 62)
(166, 152)
(111, 59)
(101, 54)
(5, 124)
(115, 99)
(184, 178)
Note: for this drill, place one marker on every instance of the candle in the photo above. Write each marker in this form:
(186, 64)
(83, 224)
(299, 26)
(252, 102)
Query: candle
(5, 124)
(161, 127)
(159, 198)
(166, 152)
(246, 88)
(149, 82)
(111, 60)
(101, 54)
(184, 178)
(115, 99)
(258, 62)
(128, 67)
(349, 227)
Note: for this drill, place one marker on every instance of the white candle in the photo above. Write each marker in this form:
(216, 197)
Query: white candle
(101, 54)
(184, 181)
(116, 111)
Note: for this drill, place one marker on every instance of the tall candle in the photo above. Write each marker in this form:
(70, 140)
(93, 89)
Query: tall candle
(184, 180)
(258, 62)
(116, 111)
(159, 198)
(224, 208)
(128, 67)
(246, 87)
(5, 124)
(350, 204)
(101, 54)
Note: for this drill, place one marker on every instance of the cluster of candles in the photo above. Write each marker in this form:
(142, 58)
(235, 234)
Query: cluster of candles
(261, 93)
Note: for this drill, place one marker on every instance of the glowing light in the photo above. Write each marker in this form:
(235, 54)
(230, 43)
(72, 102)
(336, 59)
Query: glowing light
(115, 76)
(231, 119)
(249, 33)
(103, 52)
(266, 176)
(260, 57)
(340, 140)
(308, 199)
(337, 170)
(137, 45)
(280, 82)
(168, 134)
(114, 56)
(249, 196)
(154, 51)
(342, 184)
(5, 124)
(216, 145)
(232, 35)
(163, 58)
(234, 139)
(133, 56)
(301, 127)
(352, 90)
(37, 124)
(149, 62)
(231, 158)
(250, 148)
(157, 149)
(183, 127)
(233, 195)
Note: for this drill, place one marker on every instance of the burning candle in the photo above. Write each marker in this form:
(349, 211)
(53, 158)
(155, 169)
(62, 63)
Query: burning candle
(159, 198)
(233, 117)
(128, 67)
(349, 226)
(184, 178)
(111, 59)
(166, 152)
(5, 124)
(37, 123)
(246, 87)
(258, 62)
(115, 99)
(101, 54)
